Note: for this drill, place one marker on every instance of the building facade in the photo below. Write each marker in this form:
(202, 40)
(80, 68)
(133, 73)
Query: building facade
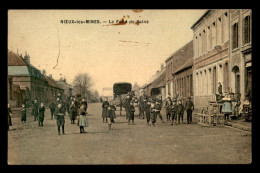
(240, 52)
(211, 55)
(179, 77)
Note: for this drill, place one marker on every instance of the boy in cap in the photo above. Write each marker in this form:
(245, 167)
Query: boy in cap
(180, 111)
(168, 108)
(174, 109)
(41, 115)
(59, 114)
(189, 106)
(23, 114)
(158, 110)
(132, 112)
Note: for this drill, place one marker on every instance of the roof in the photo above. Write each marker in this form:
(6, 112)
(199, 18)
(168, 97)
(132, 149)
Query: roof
(200, 19)
(15, 60)
(187, 64)
(18, 71)
(181, 50)
(159, 81)
(51, 82)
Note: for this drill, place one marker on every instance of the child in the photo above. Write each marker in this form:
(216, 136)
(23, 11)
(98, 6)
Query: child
(174, 110)
(9, 115)
(227, 107)
(52, 109)
(105, 105)
(83, 122)
(59, 114)
(147, 106)
(153, 112)
(41, 115)
(113, 112)
(23, 114)
(158, 110)
(72, 112)
(180, 111)
(132, 112)
(168, 108)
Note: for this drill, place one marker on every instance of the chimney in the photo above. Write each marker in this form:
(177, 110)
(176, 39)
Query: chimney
(44, 72)
(50, 75)
(27, 58)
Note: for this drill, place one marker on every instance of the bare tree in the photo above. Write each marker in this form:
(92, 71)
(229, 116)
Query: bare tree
(82, 84)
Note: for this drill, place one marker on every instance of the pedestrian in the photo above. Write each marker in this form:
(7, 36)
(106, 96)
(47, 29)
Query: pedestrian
(83, 122)
(84, 101)
(227, 107)
(147, 106)
(35, 109)
(41, 115)
(220, 89)
(72, 112)
(52, 109)
(113, 111)
(9, 114)
(23, 114)
(131, 113)
(168, 108)
(174, 110)
(153, 113)
(110, 115)
(180, 111)
(189, 107)
(59, 114)
(158, 108)
(127, 106)
(105, 105)
(141, 101)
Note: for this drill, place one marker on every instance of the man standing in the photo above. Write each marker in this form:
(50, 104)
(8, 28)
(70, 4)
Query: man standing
(52, 109)
(189, 106)
(131, 113)
(180, 111)
(35, 109)
(60, 113)
(141, 101)
(147, 107)
(174, 109)
(168, 108)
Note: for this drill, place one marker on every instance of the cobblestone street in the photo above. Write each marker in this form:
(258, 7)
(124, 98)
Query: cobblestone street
(125, 144)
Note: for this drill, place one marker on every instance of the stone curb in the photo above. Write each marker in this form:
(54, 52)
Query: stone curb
(241, 127)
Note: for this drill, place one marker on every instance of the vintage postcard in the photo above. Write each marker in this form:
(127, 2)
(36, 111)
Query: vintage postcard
(129, 87)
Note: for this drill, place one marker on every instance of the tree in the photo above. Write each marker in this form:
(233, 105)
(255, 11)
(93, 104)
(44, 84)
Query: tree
(82, 84)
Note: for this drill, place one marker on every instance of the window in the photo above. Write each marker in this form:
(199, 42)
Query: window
(235, 36)
(247, 28)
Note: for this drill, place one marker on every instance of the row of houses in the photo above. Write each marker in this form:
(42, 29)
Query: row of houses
(220, 52)
(26, 82)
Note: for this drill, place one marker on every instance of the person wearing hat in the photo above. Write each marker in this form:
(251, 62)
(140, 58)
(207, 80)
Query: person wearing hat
(147, 107)
(174, 110)
(158, 108)
(227, 107)
(105, 105)
(168, 108)
(35, 109)
(131, 113)
(85, 103)
(180, 111)
(59, 114)
(141, 102)
(189, 107)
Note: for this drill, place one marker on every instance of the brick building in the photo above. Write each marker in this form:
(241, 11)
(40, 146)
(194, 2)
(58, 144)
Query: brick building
(240, 51)
(179, 72)
(211, 55)
(25, 82)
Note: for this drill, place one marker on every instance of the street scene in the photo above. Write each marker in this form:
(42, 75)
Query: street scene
(129, 87)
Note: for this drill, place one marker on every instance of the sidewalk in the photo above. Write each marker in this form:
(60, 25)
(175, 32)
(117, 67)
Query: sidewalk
(240, 124)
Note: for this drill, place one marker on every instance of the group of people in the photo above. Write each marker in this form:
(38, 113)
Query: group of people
(151, 107)
(58, 111)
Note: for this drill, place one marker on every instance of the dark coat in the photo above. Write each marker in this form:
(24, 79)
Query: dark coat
(23, 114)
(189, 105)
(41, 112)
(105, 105)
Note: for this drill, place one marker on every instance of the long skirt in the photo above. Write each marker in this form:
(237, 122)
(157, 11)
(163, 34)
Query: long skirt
(104, 113)
(83, 121)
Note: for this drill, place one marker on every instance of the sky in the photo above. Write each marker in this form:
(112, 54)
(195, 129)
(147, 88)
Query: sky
(108, 52)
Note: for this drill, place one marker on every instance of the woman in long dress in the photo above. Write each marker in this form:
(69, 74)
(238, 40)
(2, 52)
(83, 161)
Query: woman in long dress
(105, 105)
(83, 122)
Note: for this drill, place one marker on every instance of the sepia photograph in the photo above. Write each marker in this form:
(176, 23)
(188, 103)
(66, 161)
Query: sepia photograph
(129, 86)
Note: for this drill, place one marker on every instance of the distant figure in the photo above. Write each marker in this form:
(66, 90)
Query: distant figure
(112, 112)
(127, 106)
(158, 108)
(131, 113)
(35, 109)
(83, 122)
(52, 109)
(59, 114)
(9, 114)
(174, 111)
(105, 105)
(168, 108)
(141, 101)
(23, 113)
(72, 112)
(41, 115)
(227, 107)
(189, 106)
(147, 107)
(180, 111)
(220, 88)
